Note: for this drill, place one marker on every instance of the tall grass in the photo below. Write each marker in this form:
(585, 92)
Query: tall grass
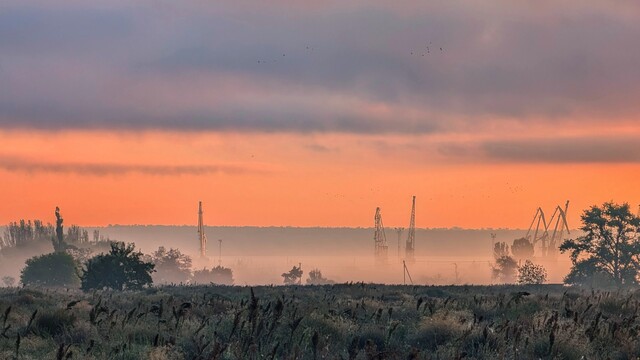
(344, 321)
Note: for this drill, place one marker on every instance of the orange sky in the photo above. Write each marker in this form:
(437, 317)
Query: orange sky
(315, 114)
(288, 179)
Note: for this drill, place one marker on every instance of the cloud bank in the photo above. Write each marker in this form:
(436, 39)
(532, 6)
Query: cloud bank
(103, 169)
(363, 67)
(548, 150)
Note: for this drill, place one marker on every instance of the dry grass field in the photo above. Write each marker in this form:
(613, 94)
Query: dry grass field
(346, 321)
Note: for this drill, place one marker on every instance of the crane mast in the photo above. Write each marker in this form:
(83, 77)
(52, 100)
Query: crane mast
(411, 237)
(379, 239)
(538, 219)
(560, 217)
(399, 230)
(201, 236)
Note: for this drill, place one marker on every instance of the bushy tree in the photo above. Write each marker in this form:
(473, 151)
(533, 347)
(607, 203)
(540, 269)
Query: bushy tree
(294, 276)
(505, 269)
(522, 248)
(530, 273)
(609, 251)
(55, 269)
(218, 275)
(316, 278)
(172, 266)
(121, 268)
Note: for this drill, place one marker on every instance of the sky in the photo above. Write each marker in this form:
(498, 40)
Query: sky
(314, 113)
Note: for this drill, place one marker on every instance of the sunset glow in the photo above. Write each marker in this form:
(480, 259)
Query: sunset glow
(314, 116)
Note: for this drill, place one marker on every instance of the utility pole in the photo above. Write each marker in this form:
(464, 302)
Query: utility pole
(406, 273)
(220, 253)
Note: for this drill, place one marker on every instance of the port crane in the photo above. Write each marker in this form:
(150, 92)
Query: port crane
(380, 239)
(201, 235)
(560, 217)
(410, 247)
(538, 232)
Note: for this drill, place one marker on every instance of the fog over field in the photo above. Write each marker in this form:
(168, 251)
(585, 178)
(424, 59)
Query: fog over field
(259, 255)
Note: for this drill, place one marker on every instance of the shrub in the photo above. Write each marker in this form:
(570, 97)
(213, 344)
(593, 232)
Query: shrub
(433, 333)
(55, 269)
(530, 273)
(218, 275)
(316, 278)
(54, 323)
(122, 268)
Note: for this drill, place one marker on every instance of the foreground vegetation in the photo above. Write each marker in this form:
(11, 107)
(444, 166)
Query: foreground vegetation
(346, 321)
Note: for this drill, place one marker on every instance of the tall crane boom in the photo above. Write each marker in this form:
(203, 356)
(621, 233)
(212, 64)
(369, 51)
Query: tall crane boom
(538, 220)
(411, 237)
(560, 217)
(379, 239)
(201, 236)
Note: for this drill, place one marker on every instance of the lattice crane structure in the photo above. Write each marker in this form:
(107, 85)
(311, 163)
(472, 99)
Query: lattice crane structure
(539, 236)
(380, 239)
(560, 217)
(410, 247)
(201, 235)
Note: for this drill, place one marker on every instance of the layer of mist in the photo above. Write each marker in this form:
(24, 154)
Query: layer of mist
(259, 255)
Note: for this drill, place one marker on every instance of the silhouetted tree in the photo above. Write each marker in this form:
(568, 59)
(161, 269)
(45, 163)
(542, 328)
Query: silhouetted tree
(293, 277)
(530, 273)
(58, 241)
(505, 269)
(171, 266)
(121, 268)
(522, 248)
(609, 250)
(500, 249)
(218, 275)
(77, 235)
(55, 269)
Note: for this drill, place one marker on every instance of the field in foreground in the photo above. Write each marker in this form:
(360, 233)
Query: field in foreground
(348, 321)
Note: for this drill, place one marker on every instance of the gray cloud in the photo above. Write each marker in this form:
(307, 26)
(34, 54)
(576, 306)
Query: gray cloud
(109, 65)
(548, 150)
(102, 169)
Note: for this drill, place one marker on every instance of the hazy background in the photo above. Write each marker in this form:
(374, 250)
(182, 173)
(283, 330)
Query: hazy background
(259, 255)
(313, 113)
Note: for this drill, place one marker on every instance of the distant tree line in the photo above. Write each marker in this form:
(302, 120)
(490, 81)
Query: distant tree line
(24, 233)
(608, 254)
(72, 264)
